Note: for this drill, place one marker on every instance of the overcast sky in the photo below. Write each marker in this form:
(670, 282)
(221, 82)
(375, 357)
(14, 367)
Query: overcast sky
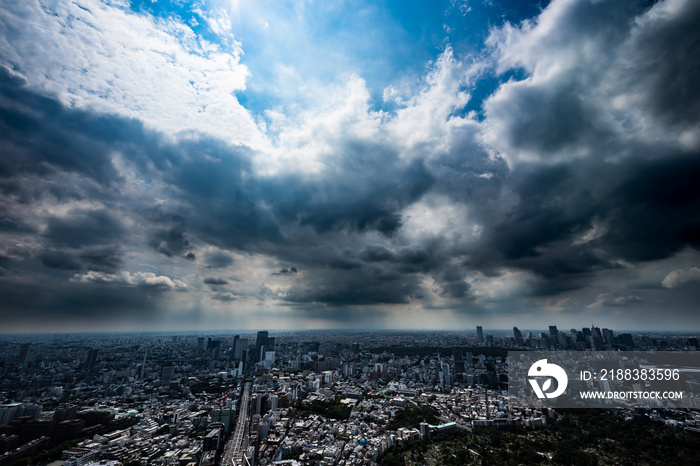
(360, 164)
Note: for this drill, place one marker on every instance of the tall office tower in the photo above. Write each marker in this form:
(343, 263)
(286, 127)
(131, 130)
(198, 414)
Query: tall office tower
(23, 353)
(270, 344)
(200, 343)
(517, 336)
(563, 341)
(468, 358)
(608, 337)
(627, 340)
(215, 349)
(356, 348)
(597, 337)
(554, 335)
(445, 368)
(479, 334)
(573, 334)
(243, 343)
(257, 403)
(261, 345)
(91, 359)
(459, 362)
(236, 350)
(445, 374)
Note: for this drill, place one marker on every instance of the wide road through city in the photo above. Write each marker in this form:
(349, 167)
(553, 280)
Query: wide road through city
(235, 448)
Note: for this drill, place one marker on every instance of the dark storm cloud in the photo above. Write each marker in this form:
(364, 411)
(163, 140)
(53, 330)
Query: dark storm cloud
(94, 258)
(107, 258)
(215, 281)
(285, 271)
(59, 302)
(667, 56)
(41, 137)
(222, 204)
(547, 120)
(561, 182)
(452, 284)
(14, 225)
(225, 297)
(365, 191)
(341, 262)
(84, 228)
(657, 209)
(170, 242)
(644, 211)
(58, 260)
(218, 259)
(217, 201)
(376, 253)
(84, 239)
(353, 288)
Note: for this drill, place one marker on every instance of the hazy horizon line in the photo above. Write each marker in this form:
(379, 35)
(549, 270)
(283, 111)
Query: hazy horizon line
(331, 330)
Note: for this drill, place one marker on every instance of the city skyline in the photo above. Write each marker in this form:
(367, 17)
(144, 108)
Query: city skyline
(177, 166)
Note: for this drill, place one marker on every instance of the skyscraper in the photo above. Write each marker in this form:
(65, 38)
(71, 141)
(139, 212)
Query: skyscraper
(214, 349)
(261, 345)
(553, 335)
(517, 336)
(236, 350)
(459, 362)
(597, 338)
(627, 340)
(608, 337)
(479, 334)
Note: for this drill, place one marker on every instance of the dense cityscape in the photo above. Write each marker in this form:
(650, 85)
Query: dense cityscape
(314, 397)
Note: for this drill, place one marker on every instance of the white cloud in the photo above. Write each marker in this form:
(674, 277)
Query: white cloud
(597, 230)
(310, 142)
(439, 217)
(507, 284)
(424, 126)
(217, 20)
(611, 300)
(680, 277)
(101, 57)
(424, 121)
(138, 279)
